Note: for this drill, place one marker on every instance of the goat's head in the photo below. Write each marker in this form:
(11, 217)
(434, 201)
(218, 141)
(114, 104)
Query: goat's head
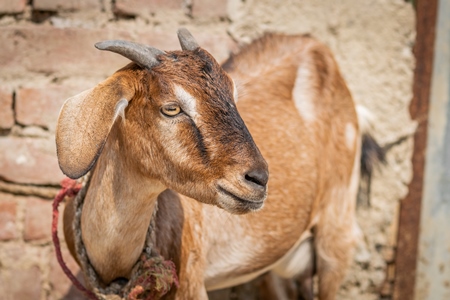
(176, 116)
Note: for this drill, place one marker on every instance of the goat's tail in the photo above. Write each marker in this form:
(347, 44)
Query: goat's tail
(372, 154)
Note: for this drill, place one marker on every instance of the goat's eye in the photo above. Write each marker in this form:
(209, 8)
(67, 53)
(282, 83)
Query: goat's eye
(171, 110)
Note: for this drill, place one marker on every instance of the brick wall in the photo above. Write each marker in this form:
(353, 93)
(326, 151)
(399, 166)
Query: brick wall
(47, 55)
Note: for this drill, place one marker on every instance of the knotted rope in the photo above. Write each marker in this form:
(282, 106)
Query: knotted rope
(152, 276)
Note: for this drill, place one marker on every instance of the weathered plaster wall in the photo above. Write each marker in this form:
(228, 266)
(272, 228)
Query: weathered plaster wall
(46, 56)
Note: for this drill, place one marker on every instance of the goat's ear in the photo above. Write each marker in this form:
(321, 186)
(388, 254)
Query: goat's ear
(85, 121)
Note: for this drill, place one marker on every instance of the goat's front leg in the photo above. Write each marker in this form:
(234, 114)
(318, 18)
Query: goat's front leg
(191, 277)
(187, 292)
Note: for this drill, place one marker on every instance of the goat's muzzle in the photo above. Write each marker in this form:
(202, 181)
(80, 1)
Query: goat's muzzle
(244, 194)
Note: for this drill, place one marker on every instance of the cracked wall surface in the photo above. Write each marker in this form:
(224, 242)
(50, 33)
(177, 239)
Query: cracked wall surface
(47, 55)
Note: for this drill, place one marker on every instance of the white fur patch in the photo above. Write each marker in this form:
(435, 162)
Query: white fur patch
(120, 109)
(303, 94)
(365, 118)
(296, 261)
(350, 136)
(354, 180)
(188, 102)
(235, 92)
(298, 258)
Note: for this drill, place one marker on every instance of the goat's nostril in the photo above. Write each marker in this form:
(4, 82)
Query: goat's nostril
(258, 176)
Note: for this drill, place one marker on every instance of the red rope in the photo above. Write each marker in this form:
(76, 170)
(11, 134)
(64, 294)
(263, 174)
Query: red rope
(69, 188)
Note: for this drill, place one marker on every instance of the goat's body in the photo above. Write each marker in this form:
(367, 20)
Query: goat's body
(302, 117)
(313, 164)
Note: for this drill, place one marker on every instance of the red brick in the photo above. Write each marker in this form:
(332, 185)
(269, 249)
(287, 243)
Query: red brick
(61, 52)
(209, 8)
(13, 255)
(18, 283)
(6, 111)
(8, 210)
(12, 6)
(38, 219)
(55, 5)
(145, 7)
(62, 287)
(28, 160)
(41, 106)
(70, 51)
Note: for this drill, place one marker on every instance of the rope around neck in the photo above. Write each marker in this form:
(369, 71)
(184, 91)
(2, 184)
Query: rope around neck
(69, 188)
(152, 276)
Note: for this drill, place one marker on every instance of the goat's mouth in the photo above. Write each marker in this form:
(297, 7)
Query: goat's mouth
(236, 204)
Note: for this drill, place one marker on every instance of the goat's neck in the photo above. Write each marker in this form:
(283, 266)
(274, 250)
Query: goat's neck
(117, 211)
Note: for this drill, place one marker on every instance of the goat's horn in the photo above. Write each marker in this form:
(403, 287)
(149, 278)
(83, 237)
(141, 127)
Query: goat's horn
(144, 56)
(186, 39)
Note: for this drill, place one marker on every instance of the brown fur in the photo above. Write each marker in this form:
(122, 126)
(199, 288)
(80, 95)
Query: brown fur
(310, 164)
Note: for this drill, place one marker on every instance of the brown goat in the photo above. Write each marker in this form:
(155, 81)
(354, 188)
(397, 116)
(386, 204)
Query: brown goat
(165, 131)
